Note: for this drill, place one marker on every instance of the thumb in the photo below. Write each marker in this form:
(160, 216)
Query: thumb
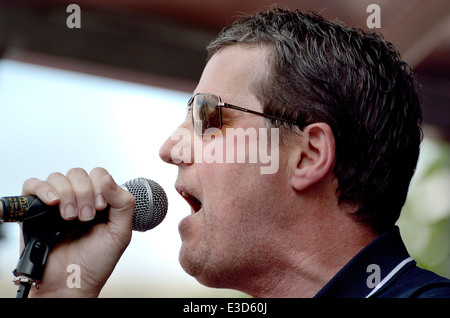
(121, 210)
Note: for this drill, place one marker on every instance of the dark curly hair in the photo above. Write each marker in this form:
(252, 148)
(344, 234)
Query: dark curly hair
(356, 82)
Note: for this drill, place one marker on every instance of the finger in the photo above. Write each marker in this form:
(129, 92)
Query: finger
(96, 175)
(42, 190)
(64, 189)
(121, 210)
(84, 193)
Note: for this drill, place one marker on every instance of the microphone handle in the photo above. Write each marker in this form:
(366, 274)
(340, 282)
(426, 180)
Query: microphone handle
(33, 210)
(13, 209)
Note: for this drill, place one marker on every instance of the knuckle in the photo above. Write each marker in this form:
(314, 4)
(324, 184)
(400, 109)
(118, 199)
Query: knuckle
(30, 185)
(99, 171)
(31, 181)
(55, 176)
(75, 172)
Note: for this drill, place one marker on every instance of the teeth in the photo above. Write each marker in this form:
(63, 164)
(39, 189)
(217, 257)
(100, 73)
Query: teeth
(184, 194)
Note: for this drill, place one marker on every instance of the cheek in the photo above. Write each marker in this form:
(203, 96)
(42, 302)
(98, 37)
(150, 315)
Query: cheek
(234, 199)
(229, 185)
(226, 191)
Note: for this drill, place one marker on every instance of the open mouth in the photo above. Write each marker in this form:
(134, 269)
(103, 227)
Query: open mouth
(195, 203)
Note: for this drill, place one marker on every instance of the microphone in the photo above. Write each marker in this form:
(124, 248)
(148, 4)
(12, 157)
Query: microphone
(150, 208)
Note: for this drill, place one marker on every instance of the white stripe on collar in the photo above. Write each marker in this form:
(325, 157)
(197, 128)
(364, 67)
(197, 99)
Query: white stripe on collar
(390, 275)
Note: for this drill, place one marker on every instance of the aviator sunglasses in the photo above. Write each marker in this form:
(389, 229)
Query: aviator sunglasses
(207, 113)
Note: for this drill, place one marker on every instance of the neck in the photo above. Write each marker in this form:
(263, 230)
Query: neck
(301, 268)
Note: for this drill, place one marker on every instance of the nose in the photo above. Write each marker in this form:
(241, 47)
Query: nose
(178, 147)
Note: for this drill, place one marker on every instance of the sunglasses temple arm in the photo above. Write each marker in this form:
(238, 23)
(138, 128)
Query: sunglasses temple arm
(257, 113)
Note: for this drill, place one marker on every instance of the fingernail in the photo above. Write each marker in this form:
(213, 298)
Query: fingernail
(52, 196)
(70, 212)
(87, 214)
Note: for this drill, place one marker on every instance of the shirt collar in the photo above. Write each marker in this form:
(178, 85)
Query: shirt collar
(383, 257)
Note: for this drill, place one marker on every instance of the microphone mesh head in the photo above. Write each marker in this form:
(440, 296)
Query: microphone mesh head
(151, 203)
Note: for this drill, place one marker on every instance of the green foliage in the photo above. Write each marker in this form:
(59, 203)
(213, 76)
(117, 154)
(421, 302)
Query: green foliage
(425, 219)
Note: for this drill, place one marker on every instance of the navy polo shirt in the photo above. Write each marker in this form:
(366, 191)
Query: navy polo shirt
(384, 269)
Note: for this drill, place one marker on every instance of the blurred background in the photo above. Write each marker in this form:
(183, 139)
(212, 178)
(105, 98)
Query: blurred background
(111, 92)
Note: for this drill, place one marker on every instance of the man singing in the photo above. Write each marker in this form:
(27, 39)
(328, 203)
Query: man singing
(347, 111)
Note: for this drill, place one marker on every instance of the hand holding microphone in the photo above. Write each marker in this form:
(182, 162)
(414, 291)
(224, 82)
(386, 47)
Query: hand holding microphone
(79, 195)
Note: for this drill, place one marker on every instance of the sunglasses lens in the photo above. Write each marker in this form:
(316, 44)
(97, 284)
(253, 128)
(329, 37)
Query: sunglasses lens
(206, 114)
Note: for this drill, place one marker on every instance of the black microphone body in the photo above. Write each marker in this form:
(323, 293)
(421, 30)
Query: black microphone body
(30, 209)
(21, 208)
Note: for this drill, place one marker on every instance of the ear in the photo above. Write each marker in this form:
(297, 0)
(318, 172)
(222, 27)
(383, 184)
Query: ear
(315, 158)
